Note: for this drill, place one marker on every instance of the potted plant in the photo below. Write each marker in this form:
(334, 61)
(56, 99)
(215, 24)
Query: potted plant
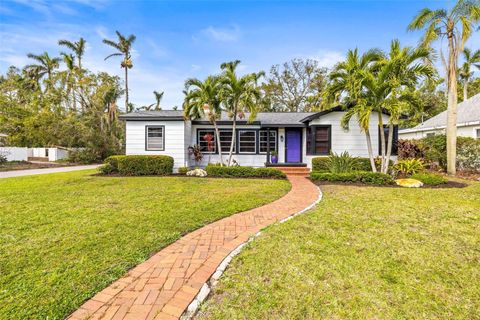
(274, 157)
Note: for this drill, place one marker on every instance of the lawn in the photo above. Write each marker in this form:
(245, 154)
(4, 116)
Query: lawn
(65, 236)
(363, 253)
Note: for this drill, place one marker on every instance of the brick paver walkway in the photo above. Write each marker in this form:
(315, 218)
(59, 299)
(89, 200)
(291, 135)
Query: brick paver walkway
(163, 286)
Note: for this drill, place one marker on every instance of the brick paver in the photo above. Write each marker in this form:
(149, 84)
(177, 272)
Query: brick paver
(163, 286)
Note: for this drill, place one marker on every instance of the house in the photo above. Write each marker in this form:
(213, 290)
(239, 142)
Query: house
(297, 137)
(468, 122)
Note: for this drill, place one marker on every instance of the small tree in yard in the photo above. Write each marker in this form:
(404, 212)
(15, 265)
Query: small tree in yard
(456, 25)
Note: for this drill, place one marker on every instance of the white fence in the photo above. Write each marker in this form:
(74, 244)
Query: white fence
(22, 154)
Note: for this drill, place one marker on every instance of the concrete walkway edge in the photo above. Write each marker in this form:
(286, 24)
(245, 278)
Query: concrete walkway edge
(31, 172)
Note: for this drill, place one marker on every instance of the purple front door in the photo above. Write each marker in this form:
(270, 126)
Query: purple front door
(293, 146)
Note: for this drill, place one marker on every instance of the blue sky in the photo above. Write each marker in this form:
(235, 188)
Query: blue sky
(181, 39)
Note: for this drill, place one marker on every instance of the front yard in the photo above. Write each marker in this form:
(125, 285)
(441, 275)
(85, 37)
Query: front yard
(363, 253)
(65, 236)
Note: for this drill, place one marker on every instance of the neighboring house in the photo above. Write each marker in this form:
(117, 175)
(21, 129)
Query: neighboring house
(468, 122)
(297, 137)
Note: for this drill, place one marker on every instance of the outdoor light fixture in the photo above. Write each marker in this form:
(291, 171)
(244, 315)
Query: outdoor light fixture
(281, 138)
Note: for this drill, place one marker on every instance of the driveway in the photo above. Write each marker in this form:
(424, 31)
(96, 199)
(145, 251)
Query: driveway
(29, 172)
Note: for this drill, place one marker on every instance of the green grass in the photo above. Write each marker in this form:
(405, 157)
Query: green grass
(363, 253)
(65, 236)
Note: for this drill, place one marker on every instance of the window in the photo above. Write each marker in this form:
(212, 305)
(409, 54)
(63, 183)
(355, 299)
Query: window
(226, 140)
(155, 138)
(478, 133)
(247, 140)
(319, 140)
(263, 142)
(206, 140)
(394, 141)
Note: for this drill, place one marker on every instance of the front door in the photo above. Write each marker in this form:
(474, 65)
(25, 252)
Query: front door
(293, 145)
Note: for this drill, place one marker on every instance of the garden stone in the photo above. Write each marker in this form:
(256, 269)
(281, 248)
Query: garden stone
(409, 183)
(197, 173)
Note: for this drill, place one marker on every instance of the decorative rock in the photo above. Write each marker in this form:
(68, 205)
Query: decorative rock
(197, 173)
(409, 183)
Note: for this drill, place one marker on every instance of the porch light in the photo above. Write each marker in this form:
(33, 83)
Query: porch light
(281, 138)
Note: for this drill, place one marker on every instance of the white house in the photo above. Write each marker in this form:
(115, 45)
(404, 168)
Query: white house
(297, 137)
(468, 122)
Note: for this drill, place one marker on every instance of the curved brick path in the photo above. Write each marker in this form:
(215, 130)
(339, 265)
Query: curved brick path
(163, 286)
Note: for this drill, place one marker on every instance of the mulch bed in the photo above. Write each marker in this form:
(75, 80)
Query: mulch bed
(449, 184)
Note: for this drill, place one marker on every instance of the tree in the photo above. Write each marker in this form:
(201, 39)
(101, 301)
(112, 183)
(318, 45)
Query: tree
(294, 86)
(124, 47)
(456, 25)
(158, 99)
(203, 98)
(46, 65)
(465, 72)
(348, 79)
(77, 47)
(239, 95)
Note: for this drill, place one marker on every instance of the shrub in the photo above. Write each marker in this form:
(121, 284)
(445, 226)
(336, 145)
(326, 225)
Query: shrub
(320, 164)
(84, 156)
(376, 178)
(183, 170)
(244, 172)
(3, 158)
(468, 154)
(340, 163)
(138, 165)
(408, 149)
(408, 167)
(430, 178)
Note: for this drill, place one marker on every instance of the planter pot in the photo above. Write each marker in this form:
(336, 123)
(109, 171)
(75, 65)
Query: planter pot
(274, 159)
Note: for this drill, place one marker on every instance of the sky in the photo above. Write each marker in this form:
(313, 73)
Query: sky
(177, 40)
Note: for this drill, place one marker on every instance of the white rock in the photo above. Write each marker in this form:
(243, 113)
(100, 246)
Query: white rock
(197, 173)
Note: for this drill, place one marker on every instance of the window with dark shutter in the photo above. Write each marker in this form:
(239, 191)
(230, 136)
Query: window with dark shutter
(319, 140)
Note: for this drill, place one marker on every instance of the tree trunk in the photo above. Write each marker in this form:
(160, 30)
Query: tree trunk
(234, 127)
(465, 90)
(382, 140)
(126, 89)
(452, 108)
(389, 147)
(219, 145)
(370, 150)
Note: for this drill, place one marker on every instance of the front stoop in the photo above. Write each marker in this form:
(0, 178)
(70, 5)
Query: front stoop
(294, 171)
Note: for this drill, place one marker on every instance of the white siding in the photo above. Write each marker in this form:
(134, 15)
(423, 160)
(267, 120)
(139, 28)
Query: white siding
(352, 140)
(15, 153)
(174, 139)
(463, 131)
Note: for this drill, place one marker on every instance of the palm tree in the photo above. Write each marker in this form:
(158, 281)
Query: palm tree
(46, 66)
(203, 98)
(465, 72)
(456, 25)
(348, 86)
(396, 79)
(239, 95)
(158, 99)
(124, 47)
(77, 47)
(69, 61)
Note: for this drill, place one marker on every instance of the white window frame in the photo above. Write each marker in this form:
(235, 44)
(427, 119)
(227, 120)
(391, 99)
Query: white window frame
(240, 142)
(266, 146)
(147, 138)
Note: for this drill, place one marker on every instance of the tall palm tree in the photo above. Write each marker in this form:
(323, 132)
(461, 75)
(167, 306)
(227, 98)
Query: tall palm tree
(124, 47)
(158, 99)
(470, 59)
(77, 47)
(456, 25)
(69, 61)
(239, 95)
(45, 66)
(348, 86)
(201, 97)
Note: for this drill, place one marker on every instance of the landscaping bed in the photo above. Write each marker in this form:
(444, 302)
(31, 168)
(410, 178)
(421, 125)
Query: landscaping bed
(66, 236)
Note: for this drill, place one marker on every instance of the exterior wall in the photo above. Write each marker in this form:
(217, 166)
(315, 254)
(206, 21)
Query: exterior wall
(55, 154)
(14, 153)
(174, 140)
(250, 160)
(352, 140)
(463, 131)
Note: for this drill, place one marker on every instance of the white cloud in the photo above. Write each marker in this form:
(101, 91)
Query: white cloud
(229, 34)
(327, 58)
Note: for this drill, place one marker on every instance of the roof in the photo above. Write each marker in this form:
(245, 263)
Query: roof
(153, 115)
(468, 112)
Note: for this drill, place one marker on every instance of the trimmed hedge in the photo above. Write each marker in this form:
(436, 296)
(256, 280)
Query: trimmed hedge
(244, 172)
(376, 178)
(430, 178)
(319, 164)
(183, 170)
(140, 165)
